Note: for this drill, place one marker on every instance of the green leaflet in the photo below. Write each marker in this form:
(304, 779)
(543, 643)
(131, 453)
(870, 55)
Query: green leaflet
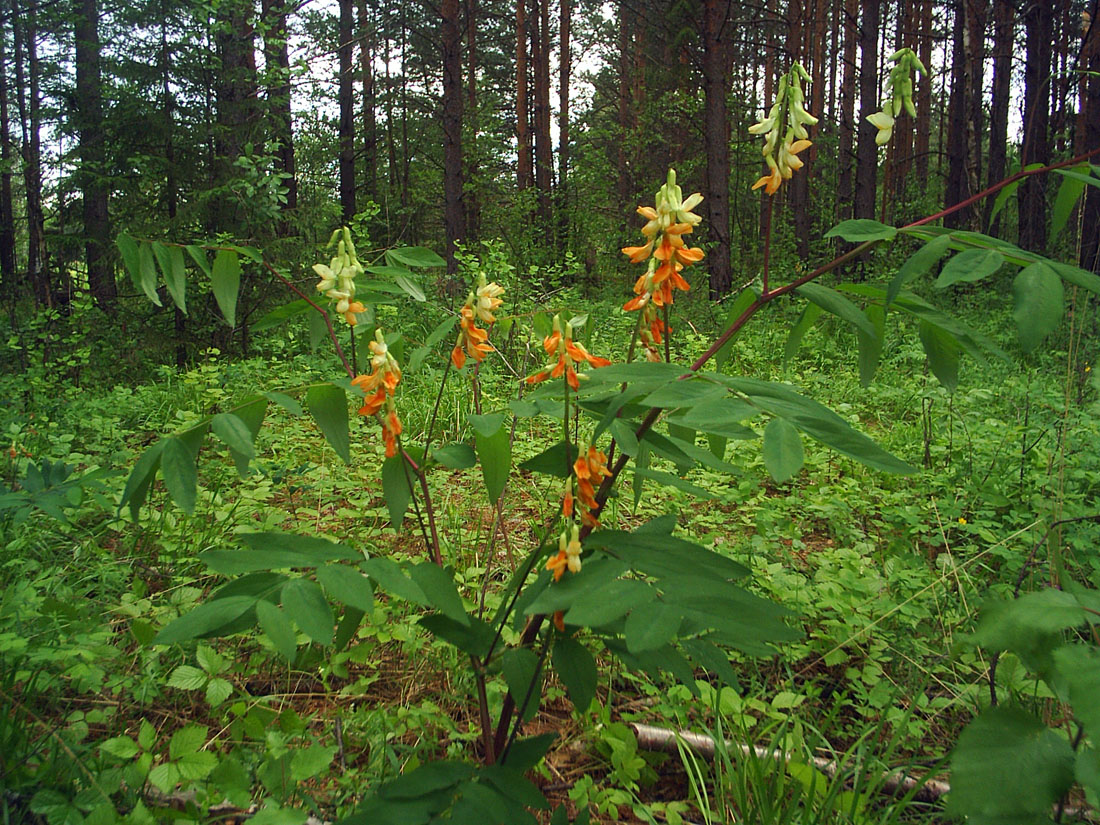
(328, 404)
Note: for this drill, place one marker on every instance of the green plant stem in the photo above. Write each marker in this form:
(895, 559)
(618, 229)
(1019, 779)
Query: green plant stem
(767, 242)
(483, 712)
(503, 750)
(435, 407)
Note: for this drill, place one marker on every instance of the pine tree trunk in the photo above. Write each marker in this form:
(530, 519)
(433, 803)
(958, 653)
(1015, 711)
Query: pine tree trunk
(626, 124)
(27, 101)
(955, 186)
(452, 132)
(1090, 132)
(277, 58)
(1038, 23)
(523, 118)
(236, 89)
(564, 67)
(540, 56)
(866, 149)
(1004, 24)
(977, 17)
(369, 128)
(717, 33)
(846, 192)
(473, 205)
(347, 113)
(7, 214)
(922, 128)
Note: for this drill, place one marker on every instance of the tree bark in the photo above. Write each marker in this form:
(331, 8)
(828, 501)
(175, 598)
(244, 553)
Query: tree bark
(236, 92)
(473, 204)
(866, 149)
(1004, 24)
(564, 68)
(452, 132)
(27, 101)
(1038, 23)
(347, 114)
(540, 57)
(846, 191)
(7, 214)
(955, 189)
(277, 58)
(1090, 215)
(625, 115)
(369, 128)
(922, 128)
(717, 33)
(523, 118)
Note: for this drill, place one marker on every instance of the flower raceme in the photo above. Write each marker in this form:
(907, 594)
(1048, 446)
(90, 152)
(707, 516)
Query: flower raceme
(899, 97)
(378, 388)
(338, 278)
(788, 116)
(570, 354)
(590, 469)
(473, 341)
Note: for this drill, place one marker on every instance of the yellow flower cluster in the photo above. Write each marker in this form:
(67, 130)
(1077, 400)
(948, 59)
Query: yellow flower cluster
(338, 278)
(378, 388)
(788, 116)
(900, 95)
(472, 339)
(666, 223)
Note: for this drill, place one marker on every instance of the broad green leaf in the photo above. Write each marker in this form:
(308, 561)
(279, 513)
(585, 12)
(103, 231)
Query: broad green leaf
(556, 461)
(427, 779)
(388, 575)
(1008, 767)
(870, 348)
(641, 462)
(671, 480)
(347, 586)
(832, 301)
(170, 261)
(196, 765)
(410, 287)
(663, 556)
(510, 781)
(818, 422)
(328, 404)
(1077, 276)
(970, 266)
(267, 556)
(198, 255)
(280, 315)
(1030, 626)
(526, 753)
(305, 602)
(318, 330)
(217, 691)
(862, 229)
(308, 547)
(455, 456)
(415, 256)
(736, 310)
(309, 762)
(486, 425)
(148, 271)
(186, 677)
(349, 625)
(721, 417)
(165, 776)
(782, 450)
(806, 319)
(1078, 667)
(273, 814)
(204, 620)
(225, 279)
(652, 627)
(251, 414)
(636, 373)
(624, 434)
(1068, 194)
(1007, 192)
(598, 571)
(121, 746)
(918, 264)
(577, 670)
(1040, 302)
(177, 468)
(686, 393)
(438, 585)
(712, 658)
(397, 480)
(234, 433)
(128, 249)
(942, 350)
(520, 667)
(615, 600)
(474, 638)
(494, 451)
(285, 401)
(137, 484)
(278, 628)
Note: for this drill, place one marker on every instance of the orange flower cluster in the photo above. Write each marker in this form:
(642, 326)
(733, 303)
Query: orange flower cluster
(590, 469)
(667, 255)
(472, 339)
(378, 388)
(570, 354)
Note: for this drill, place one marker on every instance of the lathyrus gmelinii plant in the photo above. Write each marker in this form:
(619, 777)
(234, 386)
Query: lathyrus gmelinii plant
(586, 588)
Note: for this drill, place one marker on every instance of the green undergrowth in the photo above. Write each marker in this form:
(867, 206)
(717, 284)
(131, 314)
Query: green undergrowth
(884, 573)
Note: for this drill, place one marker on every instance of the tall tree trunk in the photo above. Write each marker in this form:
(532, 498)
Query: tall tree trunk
(236, 90)
(540, 57)
(369, 128)
(625, 116)
(717, 33)
(347, 114)
(922, 128)
(564, 66)
(452, 132)
(1004, 24)
(524, 175)
(798, 191)
(473, 204)
(1038, 23)
(171, 199)
(866, 149)
(846, 191)
(93, 171)
(977, 17)
(277, 58)
(764, 214)
(7, 214)
(1090, 133)
(955, 188)
(27, 100)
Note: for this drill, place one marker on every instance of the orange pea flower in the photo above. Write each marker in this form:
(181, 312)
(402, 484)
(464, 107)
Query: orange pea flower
(570, 354)
(378, 388)
(473, 341)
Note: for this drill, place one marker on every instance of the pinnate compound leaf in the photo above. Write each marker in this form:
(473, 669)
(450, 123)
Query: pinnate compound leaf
(455, 456)
(205, 620)
(415, 256)
(186, 740)
(170, 261)
(577, 670)
(783, 455)
(304, 600)
(1040, 302)
(198, 255)
(328, 404)
(862, 229)
(234, 433)
(942, 350)
(832, 301)
(1008, 768)
(494, 451)
(147, 271)
(396, 489)
(225, 278)
(177, 468)
(278, 628)
(390, 577)
(806, 319)
(347, 586)
(520, 667)
(653, 627)
(438, 585)
(1068, 194)
(870, 348)
(918, 264)
(970, 266)
(137, 484)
